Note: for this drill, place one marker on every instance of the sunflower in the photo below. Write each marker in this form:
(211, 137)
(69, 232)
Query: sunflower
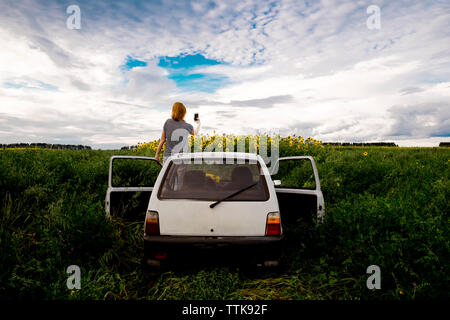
(365, 154)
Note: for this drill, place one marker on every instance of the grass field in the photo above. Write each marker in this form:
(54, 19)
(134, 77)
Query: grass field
(384, 206)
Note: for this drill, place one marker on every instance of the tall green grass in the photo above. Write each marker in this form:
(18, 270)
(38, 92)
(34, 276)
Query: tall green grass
(389, 208)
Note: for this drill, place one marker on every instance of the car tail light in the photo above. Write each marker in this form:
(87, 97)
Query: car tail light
(152, 223)
(160, 255)
(273, 224)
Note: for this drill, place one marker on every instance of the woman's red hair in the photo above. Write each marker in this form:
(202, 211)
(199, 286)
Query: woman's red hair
(178, 111)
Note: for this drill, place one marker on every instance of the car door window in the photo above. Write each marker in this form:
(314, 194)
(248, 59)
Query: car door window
(134, 172)
(295, 174)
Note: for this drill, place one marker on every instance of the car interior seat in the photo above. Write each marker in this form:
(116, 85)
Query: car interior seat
(194, 179)
(241, 177)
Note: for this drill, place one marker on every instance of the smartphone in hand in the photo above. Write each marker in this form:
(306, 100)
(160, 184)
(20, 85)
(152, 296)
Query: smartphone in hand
(195, 116)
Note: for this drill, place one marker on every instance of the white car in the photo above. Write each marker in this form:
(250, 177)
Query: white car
(220, 200)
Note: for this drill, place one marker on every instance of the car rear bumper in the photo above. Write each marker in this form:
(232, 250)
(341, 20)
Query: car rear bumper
(241, 240)
(255, 248)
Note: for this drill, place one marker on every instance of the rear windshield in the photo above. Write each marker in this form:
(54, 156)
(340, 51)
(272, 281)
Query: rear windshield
(213, 181)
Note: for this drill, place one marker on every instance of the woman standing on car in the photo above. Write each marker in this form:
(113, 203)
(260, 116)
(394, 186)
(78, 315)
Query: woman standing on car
(176, 132)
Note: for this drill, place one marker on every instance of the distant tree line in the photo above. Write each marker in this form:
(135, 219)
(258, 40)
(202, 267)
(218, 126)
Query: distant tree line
(46, 146)
(361, 144)
(128, 148)
(444, 144)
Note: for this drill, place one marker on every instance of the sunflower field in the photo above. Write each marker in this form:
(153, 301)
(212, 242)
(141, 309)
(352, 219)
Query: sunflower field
(385, 206)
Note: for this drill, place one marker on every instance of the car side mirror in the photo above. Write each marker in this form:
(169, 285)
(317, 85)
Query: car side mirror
(277, 182)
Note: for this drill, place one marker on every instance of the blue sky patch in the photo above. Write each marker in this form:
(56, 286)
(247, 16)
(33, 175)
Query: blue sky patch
(131, 63)
(182, 70)
(199, 82)
(443, 134)
(33, 84)
(186, 61)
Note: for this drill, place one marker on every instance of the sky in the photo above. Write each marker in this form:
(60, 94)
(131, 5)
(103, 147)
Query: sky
(309, 68)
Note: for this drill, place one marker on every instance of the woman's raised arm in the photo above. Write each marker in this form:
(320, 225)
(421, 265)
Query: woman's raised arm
(196, 130)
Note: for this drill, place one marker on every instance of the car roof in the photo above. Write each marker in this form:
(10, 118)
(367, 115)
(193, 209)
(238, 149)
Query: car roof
(215, 155)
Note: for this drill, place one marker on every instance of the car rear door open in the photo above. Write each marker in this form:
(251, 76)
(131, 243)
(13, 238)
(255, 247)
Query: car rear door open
(299, 194)
(130, 184)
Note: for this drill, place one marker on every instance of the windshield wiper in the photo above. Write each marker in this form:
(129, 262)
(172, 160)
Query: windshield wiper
(232, 195)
